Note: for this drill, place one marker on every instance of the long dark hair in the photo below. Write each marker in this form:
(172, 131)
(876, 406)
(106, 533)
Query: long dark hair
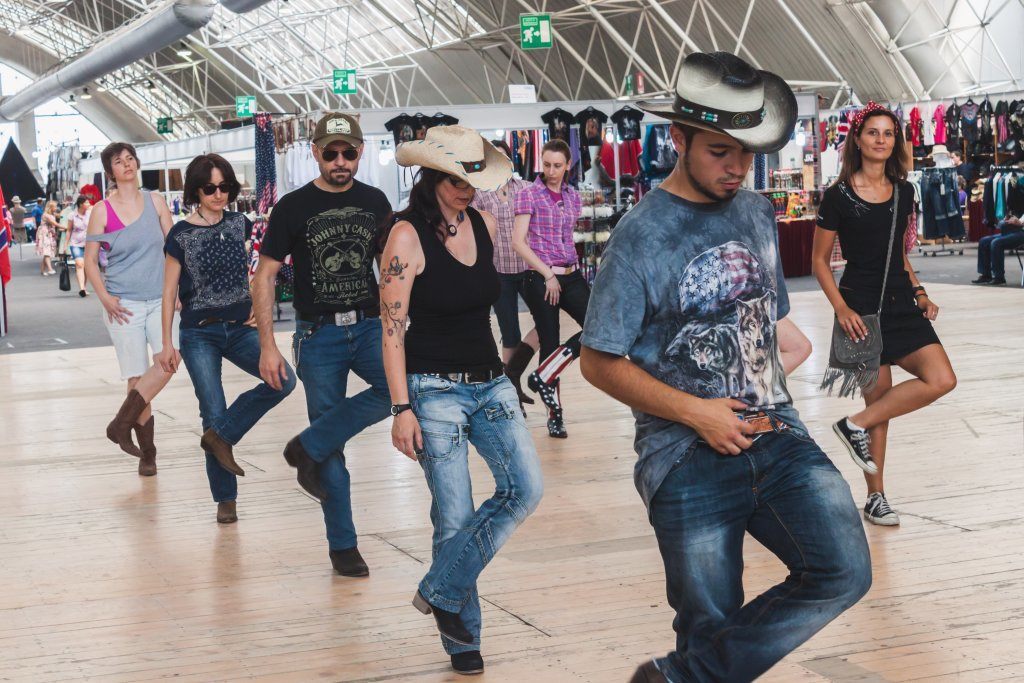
(423, 202)
(895, 171)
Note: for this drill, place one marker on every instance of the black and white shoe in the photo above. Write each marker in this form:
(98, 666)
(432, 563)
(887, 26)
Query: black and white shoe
(857, 442)
(877, 511)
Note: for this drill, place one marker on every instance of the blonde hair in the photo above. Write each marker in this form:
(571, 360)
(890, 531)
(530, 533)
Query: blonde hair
(51, 207)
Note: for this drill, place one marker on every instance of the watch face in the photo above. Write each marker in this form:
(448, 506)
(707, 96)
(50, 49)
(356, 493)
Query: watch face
(394, 411)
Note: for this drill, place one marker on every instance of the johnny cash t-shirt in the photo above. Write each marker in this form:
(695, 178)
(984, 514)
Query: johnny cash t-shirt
(692, 293)
(333, 238)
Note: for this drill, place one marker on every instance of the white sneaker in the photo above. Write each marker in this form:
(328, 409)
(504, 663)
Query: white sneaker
(877, 511)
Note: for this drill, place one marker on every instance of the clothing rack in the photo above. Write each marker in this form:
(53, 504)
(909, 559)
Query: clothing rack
(936, 218)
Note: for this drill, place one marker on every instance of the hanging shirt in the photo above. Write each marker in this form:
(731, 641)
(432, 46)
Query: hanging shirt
(591, 123)
(953, 124)
(402, 127)
(914, 127)
(559, 121)
(939, 119)
(969, 120)
(627, 121)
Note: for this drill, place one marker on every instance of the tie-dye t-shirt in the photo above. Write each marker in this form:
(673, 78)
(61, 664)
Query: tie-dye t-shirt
(691, 293)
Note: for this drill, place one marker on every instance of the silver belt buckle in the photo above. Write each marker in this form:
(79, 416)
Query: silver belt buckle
(346, 318)
(454, 376)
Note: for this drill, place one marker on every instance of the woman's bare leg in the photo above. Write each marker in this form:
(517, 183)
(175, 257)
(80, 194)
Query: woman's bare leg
(933, 378)
(80, 273)
(148, 386)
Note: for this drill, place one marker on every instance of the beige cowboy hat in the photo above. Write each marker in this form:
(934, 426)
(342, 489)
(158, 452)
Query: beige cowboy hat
(461, 152)
(719, 92)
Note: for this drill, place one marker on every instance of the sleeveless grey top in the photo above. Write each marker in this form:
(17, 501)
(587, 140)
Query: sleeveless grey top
(135, 256)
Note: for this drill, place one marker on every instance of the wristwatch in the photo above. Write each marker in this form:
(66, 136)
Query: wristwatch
(400, 408)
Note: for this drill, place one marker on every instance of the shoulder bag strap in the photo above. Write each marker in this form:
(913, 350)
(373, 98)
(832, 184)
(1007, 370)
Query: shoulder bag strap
(892, 237)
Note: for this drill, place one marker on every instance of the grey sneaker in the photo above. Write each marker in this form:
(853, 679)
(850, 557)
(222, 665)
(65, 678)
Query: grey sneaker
(877, 511)
(857, 442)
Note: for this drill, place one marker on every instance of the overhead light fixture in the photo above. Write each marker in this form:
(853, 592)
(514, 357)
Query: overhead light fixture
(85, 94)
(71, 100)
(183, 50)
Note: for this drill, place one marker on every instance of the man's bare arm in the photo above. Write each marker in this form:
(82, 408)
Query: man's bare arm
(794, 347)
(273, 368)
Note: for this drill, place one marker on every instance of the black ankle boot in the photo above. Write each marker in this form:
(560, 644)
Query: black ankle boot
(548, 392)
(468, 663)
(515, 368)
(448, 623)
(349, 562)
(308, 474)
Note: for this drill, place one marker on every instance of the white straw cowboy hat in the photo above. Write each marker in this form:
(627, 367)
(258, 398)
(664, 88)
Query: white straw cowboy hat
(720, 92)
(458, 151)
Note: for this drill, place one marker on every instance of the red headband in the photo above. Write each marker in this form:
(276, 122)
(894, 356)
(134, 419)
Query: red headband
(871, 108)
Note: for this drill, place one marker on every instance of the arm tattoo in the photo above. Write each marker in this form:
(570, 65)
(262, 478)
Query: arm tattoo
(395, 269)
(394, 321)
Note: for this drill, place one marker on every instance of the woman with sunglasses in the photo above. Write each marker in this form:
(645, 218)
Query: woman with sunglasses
(131, 225)
(207, 268)
(446, 378)
(546, 214)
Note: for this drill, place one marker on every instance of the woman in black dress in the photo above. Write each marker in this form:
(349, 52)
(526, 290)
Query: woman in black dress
(858, 209)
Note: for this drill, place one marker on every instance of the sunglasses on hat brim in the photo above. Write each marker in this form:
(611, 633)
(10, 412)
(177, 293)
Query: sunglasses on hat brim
(350, 153)
(458, 183)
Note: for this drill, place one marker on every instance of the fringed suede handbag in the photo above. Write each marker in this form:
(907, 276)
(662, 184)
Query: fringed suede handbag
(852, 364)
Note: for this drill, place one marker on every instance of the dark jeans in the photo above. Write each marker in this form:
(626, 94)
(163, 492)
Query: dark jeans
(323, 358)
(940, 197)
(785, 492)
(574, 299)
(992, 250)
(506, 309)
(202, 349)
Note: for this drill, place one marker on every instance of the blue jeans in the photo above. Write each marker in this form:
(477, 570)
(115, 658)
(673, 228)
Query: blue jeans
(992, 251)
(324, 355)
(786, 493)
(452, 415)
(202, 349)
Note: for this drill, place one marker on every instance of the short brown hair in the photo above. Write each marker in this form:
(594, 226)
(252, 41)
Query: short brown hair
(559, 146)
(111, 151)
(199, 172)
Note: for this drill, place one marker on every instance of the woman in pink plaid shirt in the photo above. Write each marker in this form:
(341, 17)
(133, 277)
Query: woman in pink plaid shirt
(546, 213)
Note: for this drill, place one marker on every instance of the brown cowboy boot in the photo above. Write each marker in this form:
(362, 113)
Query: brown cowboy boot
(120, 428)
(227, 512)
(517, 366)
(220, 449)
(147, 463)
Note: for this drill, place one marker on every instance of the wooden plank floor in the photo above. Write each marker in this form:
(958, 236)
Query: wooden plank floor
(105, 576)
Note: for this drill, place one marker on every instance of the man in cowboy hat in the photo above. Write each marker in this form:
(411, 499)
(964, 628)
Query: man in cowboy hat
(332, 228)
(687, 326)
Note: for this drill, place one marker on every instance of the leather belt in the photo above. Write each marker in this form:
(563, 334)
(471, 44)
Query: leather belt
(476, 377)
(214, 321)
(340, 319)
(762, 422)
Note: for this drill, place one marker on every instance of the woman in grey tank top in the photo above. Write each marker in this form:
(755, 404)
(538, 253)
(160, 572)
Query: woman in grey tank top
(131, 225)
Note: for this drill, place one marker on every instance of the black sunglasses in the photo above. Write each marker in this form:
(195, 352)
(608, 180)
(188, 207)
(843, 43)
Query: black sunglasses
(350, 153)
(459, 183)
(209, 188)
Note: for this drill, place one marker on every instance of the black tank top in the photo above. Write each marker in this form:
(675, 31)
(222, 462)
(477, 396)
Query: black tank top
(450, 306)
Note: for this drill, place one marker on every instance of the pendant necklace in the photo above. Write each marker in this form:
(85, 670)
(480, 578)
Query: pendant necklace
(219, 232)
(453, 230)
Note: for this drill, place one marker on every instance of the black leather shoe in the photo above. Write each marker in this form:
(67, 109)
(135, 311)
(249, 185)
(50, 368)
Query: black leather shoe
(448, 623)
(468, 663)
(983, 280)
(308, 474)
(349, 562)
(998, 281)
(648, 673)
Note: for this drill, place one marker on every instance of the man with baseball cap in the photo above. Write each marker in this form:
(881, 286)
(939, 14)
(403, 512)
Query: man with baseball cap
(331, 227)
(687, 325)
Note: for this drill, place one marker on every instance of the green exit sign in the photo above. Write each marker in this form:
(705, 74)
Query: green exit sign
(344, 81)
(245, 106)
(164, 125)
(534, 31)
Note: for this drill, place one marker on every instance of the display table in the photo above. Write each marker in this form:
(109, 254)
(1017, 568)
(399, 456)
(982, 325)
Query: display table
(796, 237)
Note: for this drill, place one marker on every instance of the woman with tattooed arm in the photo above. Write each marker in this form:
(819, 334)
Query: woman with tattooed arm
(446, 377)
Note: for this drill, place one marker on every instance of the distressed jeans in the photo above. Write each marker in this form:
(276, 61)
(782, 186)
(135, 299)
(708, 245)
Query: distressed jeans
(453, 415)
(787, 494)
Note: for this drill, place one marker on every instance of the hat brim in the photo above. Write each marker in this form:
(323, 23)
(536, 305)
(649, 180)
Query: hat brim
(497, 170)
(328, 139)
(780, 114)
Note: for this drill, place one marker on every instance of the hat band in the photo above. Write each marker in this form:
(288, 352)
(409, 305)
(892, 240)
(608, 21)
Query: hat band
(473, 166)
(724, 119)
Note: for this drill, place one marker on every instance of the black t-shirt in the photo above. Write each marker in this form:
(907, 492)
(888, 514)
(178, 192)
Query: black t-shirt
(402, 127)
(214, 280)
(559, 121)
(627, 120)
(591, 123)
(333, 238)
(864, 230)
(440, 119)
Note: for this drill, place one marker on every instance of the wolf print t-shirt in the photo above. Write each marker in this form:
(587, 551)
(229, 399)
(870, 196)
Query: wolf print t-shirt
(214, 280)
(691, 293)
(333, 238)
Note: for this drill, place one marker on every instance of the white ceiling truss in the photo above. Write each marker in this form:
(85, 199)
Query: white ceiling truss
(425, 54)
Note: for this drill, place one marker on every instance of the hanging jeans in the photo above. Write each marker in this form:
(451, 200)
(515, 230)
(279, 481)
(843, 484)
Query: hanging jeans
(992, 250)
(939, 197)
